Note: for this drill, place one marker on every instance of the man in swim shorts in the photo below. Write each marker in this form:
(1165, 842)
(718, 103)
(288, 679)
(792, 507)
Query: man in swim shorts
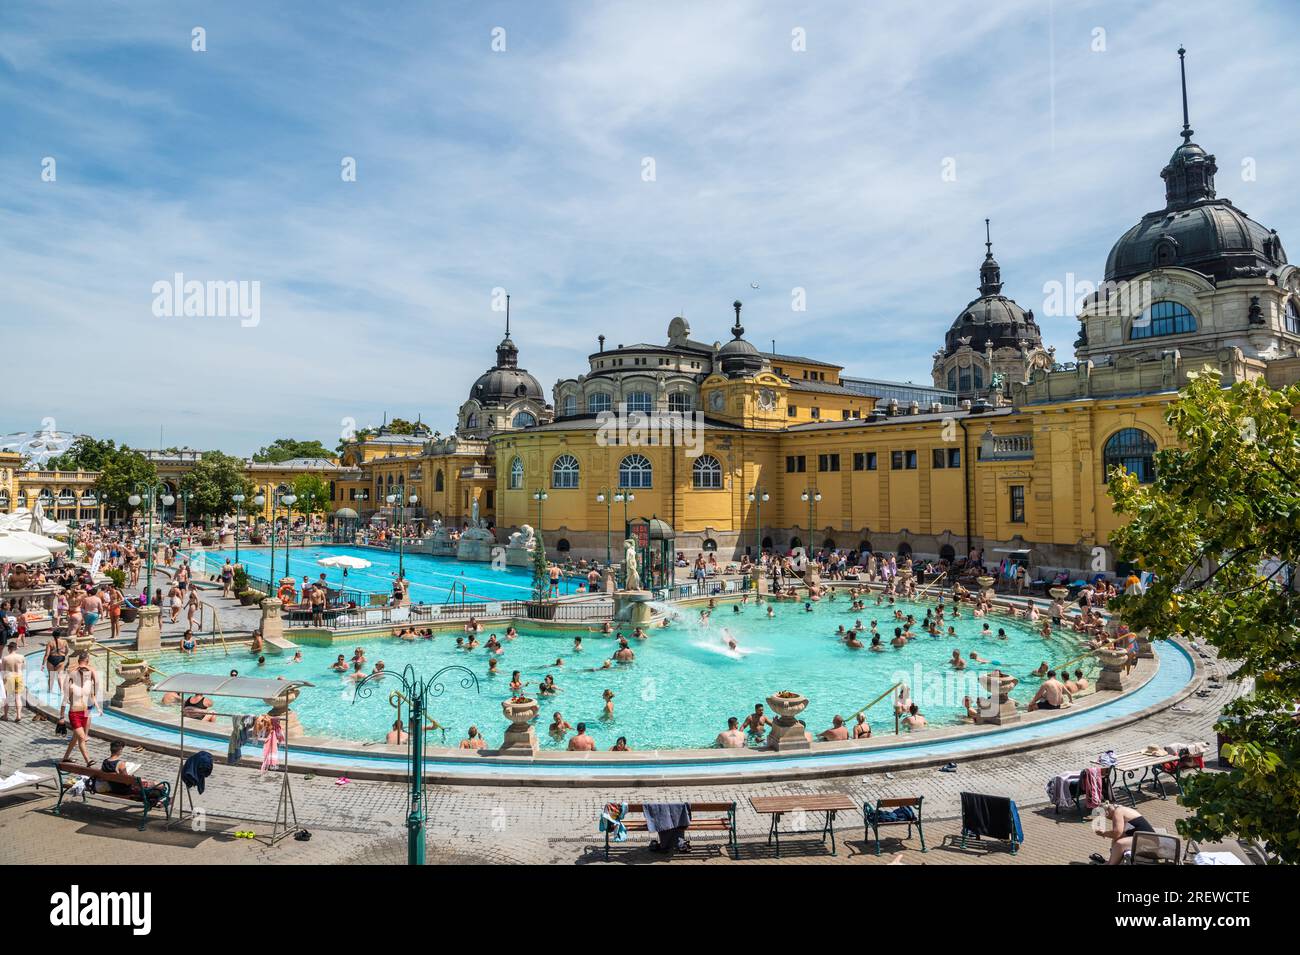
(11, 670)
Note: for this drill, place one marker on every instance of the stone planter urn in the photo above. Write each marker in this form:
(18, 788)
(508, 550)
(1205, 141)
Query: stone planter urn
(133, 690)
(521, 738)
(1144, 650)
(1059, 593)
(985, 582)
(999, 708)
(148, 632)
(279, 707)
(1112, 670)
(787, 732)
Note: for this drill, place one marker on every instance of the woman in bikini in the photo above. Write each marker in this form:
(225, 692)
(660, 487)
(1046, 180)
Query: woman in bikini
(56, 657)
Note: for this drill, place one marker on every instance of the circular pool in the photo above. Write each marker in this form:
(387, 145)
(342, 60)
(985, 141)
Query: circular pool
(685, 680)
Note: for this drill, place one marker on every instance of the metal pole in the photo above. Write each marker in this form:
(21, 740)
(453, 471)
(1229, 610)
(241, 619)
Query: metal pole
(609, 528)
(288, 535)
(415, 817)
(148, 576)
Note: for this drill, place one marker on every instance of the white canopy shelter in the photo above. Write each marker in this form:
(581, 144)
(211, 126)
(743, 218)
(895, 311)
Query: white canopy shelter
(16, 550)
(40, 540)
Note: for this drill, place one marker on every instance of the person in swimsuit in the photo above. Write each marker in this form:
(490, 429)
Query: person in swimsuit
(196, 707)
(56, 655)
(1122, 823)
(188, 643)
(11, 670)
(81, 692)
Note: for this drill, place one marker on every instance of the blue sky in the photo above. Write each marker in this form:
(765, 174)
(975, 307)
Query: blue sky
(522, 169)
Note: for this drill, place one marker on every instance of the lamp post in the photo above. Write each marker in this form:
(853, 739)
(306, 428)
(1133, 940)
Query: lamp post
(625, 498)
(603, 497)
(150, 493)
(415, 693)
(398, 499)
(812, 496)
(539, 496)
(758, 497)
(67, 499)
(263, 495)
(238, 498)
(288, 500)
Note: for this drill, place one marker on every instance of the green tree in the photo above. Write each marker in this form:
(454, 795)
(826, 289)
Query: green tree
(212, 484)
(120, 473)
(282, 449)
(541, 570)
(313, 494)
(84, 454)
(1220, 529)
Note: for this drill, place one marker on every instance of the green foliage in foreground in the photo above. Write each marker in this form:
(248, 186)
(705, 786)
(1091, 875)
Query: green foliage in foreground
(1220, 529)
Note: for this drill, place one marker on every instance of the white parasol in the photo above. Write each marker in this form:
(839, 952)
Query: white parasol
(15, 550)
(345, 561)
(40, 540)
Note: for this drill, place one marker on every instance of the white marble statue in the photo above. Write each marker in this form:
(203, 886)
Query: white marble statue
(524, 537)
(633, 578)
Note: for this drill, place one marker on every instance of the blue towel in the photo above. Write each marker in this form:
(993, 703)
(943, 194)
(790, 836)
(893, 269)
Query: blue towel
(608, 822)
(666, 816)
(1015, 820)
(197, 769)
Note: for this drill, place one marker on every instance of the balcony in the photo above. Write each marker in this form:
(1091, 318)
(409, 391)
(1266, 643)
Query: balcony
(478, 472)
(1006, 447)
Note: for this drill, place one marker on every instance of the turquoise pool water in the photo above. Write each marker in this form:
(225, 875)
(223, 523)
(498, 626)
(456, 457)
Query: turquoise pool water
(431, 578)
(684, 682)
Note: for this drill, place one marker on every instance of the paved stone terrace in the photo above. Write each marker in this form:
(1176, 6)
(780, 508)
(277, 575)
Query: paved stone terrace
(365, 821)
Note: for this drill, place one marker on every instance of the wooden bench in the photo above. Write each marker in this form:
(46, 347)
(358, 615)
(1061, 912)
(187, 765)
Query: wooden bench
(705, 817)
(872, 820)
(140, 797)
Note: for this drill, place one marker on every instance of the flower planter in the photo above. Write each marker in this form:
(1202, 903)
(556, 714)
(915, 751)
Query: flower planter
(520, 711)
(787, 732)
(520, 738)
(787, 705)
(129, 613)
(985, 582)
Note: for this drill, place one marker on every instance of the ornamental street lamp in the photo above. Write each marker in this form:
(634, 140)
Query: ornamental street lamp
(625, 498)
(263, 493)
(415, 693)
(758, 497)
(239, 519)
(812, 496)
(151, 493)
(603, 497)
(398, 499)
(287, 500)
(539, 496)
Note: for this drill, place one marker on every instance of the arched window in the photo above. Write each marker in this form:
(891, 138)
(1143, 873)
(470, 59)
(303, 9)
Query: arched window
(1133, 450)
(525, 419)
(641, 401)
(864, 548)
(516, 474)
(634, 471)
(828, 544)
(767, 543)
(979, 377)
(946, 552)
(1293, 316)
(680, 402)
(952, 379)
(472, 420)
(904, 549)
(598, 401)
(4, 498)
(570, 406)
(709, 544)
(563, 546)
(795, 543)
(706, 473)
(438, 480)
(1163, 318)
(964, 379)
(564, 472)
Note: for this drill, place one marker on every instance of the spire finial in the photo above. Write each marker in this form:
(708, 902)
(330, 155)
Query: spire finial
(738, 329)
(1182, 70)
(507, 316)
(988, 238)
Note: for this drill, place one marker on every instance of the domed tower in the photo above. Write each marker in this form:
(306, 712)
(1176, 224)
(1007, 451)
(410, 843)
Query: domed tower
(1196, 276)
(505, 397)
(992, 342)
(738, 358)
(1196, 229)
